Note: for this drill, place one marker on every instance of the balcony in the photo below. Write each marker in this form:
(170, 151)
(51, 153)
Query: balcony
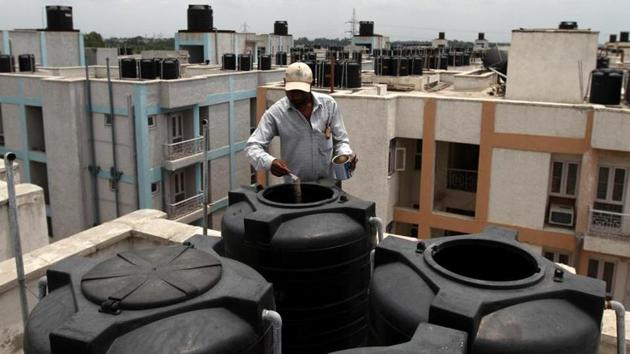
(183, 153)
(185, 207)
(609, 224)
(463, 180)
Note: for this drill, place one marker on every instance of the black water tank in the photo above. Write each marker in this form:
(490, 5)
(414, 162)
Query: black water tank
(481, 36)
(349, 73)
(59, 18)
(400, 66)
(170, 69)
(281, 28)
(442, 62)
(366, 28)
(603, 62)
(623, 36)
(606, 86)
(441, 35)
(200, 18)
(427, 339)
(505, 297)
(317, 255)
(7, 63)
(382, 66)
(229, 61)
(149, 69)
(26, 62)
(568, 25)
(310, 56)
(281, 58)
(264, 62)
(296, 57)
(612, 38)
(245, 62)
(416, 65)
(128, 68)
(171, 299)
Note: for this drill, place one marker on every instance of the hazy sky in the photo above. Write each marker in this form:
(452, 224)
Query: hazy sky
(401, 20)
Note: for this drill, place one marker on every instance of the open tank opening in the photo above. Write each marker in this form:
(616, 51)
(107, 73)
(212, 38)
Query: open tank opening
(290, 195)
(485, 260)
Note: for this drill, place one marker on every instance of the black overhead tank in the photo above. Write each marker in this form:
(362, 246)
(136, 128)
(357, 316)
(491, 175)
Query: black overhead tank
(507, 299)
(623, 36)
(7, 63)
(281, 28)
(281, 58)
(59, 18)
(200, 18)
(612, 38)
(149, 69)
(366, 28)
(264, 62)
(172, 299)
(26, 62)
(317, 255)
(128, 68)
(170, 69)
(606, 86)
(244, 62)
(229, 61)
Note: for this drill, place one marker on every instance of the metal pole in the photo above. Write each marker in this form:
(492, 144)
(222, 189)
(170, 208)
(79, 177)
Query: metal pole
(206, 127)
(93, 168)
(333, 58)
(115, 174)
(14, 228)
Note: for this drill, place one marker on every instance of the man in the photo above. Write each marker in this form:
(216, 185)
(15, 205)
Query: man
(310, 128)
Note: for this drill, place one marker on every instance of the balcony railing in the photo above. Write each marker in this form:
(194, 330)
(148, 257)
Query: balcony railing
(607, 223)
(183, 149)
(185, 207)
(463, 180)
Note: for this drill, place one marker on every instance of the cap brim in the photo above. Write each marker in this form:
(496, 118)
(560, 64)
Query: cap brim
(296, 85)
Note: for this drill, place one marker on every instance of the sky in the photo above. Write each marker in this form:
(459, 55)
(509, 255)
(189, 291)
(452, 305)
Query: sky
(399, 19)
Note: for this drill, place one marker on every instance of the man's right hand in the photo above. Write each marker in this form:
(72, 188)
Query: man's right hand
(279, 168)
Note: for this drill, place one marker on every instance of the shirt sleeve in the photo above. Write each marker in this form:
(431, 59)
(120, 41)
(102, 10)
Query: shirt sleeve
(258, 142)
(340, 136)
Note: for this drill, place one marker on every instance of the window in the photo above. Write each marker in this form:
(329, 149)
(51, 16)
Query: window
(602, 270)
(152, 120)
(417, 165)
(177, 128)
(611, 182)
(179, 186)
(564, 179)
(112, 185)
(557, 256)
(391, 165)
(108, 119)
(155, 187)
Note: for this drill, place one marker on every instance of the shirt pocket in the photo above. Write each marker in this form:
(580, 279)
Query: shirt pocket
(325, 145)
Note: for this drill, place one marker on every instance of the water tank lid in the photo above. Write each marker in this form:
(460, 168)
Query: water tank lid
(142, 279)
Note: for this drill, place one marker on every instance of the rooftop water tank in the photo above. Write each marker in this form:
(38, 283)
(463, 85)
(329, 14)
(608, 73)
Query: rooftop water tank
(26, 62)
(568, 25)
(623, 36)
(281, 28)
(606, 86)
(7, 63)
(505, 297)
(170, 69)
(245, 62)
(172, 299)
(441, 35)
(612, 38)
(59, 18)
(366, 28)
(229, 61)
(315, 251)
(200, 18)
(481, 36)
(128, 68)
(149, 69)
(281, 58)
(264, 62)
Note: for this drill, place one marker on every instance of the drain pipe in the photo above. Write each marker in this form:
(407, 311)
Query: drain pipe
(115, 175)
(93, 168)
(276, 323)
(14, 228)
(378, 224)
(620, 314)
(204, 165)
(42, 287)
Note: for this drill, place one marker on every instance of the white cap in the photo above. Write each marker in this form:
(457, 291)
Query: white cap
(298, 77)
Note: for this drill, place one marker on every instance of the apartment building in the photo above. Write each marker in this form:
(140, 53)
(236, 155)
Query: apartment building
(539, 160)
(101, 149)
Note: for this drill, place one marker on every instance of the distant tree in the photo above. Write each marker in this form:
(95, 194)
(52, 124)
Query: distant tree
(93, 39)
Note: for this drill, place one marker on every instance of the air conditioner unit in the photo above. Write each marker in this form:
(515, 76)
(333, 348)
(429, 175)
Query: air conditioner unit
(561, 215)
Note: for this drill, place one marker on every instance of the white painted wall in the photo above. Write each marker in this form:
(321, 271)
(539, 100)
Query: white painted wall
(536, 119)
(458, 121)
(543, 65)
(518, 187)
(611, 129)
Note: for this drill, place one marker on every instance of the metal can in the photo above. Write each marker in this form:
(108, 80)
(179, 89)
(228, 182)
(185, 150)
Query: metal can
(341, 167)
